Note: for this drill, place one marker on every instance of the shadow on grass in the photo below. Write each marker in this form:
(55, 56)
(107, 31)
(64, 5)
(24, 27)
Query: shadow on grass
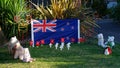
(5, 57)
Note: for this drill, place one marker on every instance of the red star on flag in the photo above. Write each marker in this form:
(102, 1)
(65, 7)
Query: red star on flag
(62, 29)
(72, 27)
(67, 38)
(68, 23)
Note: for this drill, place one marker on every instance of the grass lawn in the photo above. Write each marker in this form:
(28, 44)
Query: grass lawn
(79, 56)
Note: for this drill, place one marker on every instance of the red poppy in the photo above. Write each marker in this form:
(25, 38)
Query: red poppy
(62, 39)
(31, 42)
(37, 43)
(52, 41)
(42, 41)
(81, 39)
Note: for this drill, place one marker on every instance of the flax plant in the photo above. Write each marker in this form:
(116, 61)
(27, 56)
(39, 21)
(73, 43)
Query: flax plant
(8, 10)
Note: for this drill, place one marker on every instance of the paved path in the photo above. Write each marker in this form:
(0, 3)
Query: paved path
(109, 28)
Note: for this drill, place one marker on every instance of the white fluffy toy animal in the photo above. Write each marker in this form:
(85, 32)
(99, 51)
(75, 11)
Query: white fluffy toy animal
(101, 40)
(56, 45)
(62, 46)
(110, 42)
(68, 45)
(50, 45)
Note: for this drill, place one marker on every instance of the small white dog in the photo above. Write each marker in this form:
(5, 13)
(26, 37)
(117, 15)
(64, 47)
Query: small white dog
(23, 54)
(15, 47)
(101, 40)
(19, 52)
(12, 44)
(27, 56)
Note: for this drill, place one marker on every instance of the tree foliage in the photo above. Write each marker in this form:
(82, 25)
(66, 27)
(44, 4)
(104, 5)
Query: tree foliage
(100, 6)
(115, 12)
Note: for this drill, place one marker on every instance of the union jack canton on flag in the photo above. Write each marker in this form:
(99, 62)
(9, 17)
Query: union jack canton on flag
(55, 30)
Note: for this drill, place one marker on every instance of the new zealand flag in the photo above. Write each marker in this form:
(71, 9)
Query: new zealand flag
(55, 31)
